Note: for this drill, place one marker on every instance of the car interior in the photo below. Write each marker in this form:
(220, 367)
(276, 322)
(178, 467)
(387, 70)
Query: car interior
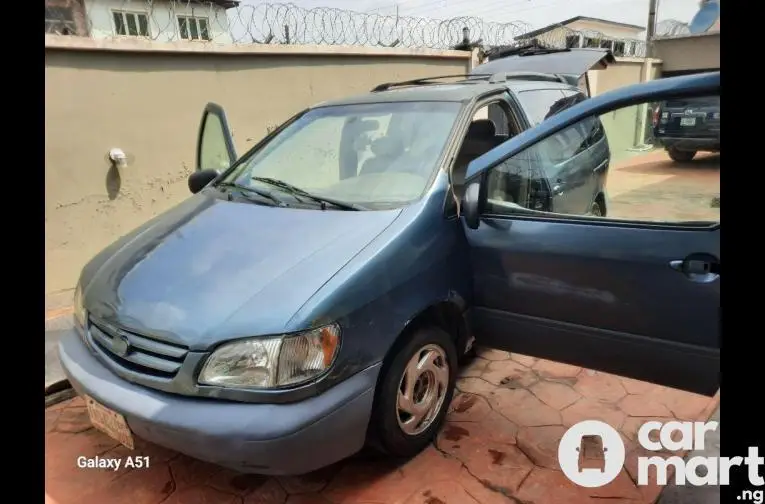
(483, 135)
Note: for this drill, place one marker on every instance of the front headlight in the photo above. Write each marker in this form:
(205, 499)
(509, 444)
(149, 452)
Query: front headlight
(274, 361)
(80, 315)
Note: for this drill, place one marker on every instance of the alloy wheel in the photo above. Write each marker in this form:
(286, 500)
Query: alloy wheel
(422, 389)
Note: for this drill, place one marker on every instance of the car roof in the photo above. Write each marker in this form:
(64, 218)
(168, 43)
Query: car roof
(462, 91)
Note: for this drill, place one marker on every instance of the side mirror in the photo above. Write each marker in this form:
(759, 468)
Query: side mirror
(199, 179)
(470, 205)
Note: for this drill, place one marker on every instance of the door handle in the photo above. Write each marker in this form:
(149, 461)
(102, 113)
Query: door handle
(702, 268)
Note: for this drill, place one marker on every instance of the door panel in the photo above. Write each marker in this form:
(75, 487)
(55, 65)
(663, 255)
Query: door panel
(603, 297)
(637, 293)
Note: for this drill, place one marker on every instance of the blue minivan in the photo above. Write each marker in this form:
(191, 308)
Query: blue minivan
(319, 292)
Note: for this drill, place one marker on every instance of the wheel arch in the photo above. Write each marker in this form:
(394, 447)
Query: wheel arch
(446, 314)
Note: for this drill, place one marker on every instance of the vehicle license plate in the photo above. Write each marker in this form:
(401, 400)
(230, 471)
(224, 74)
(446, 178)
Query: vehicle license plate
(109, 422)
(687, 121)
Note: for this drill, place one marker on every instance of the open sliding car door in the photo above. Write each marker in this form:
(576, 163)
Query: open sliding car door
(636, 293)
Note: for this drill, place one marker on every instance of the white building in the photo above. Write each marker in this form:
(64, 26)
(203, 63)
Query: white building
(581, 31)
(158, 20)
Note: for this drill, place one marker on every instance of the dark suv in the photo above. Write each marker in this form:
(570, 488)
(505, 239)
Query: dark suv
(688, 125)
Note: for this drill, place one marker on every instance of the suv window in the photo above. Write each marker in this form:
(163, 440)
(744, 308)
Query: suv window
(538, 102)
(593, 126)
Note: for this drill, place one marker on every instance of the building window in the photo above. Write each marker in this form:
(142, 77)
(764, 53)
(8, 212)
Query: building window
(572, 41)
(60, 21)
(193, 28)
(619, 49)
(591, 42)
(132, 24)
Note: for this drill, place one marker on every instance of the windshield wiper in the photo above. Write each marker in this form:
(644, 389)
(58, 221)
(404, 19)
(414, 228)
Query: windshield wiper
(296, 191)
(246, 190)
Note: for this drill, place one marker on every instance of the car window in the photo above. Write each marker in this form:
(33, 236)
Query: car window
(538, 102)
(381, 154)
(636, 163)
(563, 146)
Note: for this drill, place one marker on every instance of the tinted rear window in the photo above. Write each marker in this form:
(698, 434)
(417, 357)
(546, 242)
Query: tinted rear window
(537, 103)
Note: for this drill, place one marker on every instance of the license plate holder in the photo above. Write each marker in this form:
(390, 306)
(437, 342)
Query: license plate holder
(109, 422)
(687, 121)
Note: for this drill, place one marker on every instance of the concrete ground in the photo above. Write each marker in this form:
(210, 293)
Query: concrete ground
(650, 186)
(674, 494)
(499, 444)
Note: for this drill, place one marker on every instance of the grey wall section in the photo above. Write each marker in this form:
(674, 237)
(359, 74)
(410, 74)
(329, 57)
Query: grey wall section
(147, 99)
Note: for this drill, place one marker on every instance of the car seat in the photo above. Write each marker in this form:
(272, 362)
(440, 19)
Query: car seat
(480, 139)
(386, 151)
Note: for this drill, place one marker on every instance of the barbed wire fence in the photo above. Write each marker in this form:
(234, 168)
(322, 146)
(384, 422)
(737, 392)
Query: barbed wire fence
(228, 22)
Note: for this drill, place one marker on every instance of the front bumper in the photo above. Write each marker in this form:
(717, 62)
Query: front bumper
(276, 439)
(691, 144)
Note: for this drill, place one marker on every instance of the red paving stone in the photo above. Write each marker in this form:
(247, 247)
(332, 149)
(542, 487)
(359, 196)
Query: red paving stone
(499, 443)
(498, 446)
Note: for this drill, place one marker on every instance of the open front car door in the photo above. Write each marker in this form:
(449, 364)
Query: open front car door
(590, 246)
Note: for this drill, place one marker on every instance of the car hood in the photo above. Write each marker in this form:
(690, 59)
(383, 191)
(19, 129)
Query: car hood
(212, 269)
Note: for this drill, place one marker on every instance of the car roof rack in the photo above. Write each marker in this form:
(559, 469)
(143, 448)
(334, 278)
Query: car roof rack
(495, 78)
(532, 76)
(428, 80)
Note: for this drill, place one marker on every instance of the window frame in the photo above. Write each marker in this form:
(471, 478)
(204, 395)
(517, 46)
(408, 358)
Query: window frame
(70, 23)
(196, 19)
(125, 12)
(515, 112)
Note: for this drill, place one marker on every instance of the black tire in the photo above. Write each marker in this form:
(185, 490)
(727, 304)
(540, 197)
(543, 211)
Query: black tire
(681, 156)
(597, 209)
(385, 431)
(467, 357)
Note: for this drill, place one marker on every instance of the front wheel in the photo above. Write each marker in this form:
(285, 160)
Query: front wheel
(680, 156)
(415, 393)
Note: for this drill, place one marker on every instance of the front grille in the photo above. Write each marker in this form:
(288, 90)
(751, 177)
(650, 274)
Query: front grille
(144, 355)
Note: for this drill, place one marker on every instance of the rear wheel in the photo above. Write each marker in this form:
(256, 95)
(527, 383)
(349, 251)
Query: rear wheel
(415, 393)
(680, 156)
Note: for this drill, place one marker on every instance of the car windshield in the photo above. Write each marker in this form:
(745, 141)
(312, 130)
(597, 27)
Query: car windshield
(379, 155)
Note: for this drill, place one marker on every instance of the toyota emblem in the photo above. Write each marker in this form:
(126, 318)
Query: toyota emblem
(121, 345)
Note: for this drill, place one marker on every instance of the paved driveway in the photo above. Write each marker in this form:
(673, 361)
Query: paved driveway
(651, 186)
(498, 446)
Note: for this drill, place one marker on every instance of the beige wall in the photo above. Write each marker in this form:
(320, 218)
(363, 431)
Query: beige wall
(625, 127)
(624, 72)
(147, 98)
(693, 52)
